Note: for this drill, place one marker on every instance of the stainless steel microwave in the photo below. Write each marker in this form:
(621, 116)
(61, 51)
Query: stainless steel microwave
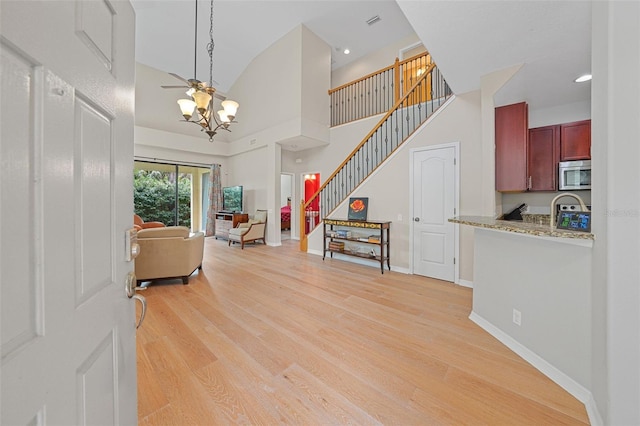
(574, 175)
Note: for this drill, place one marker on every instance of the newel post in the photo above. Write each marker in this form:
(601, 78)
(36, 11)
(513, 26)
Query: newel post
(396, 80)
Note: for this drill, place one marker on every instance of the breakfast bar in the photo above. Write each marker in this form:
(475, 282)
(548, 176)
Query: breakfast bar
(531, 290)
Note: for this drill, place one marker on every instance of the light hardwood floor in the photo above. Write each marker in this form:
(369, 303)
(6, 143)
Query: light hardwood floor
(270, 335)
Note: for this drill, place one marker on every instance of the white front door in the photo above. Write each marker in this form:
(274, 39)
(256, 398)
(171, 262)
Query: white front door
(434, 201)
(66, 154)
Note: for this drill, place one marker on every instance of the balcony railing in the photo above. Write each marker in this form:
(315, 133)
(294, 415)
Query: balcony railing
(377, 92)
(428, 92)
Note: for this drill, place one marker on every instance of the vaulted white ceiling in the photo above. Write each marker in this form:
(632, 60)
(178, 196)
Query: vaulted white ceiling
(467, 39)
(244, 28)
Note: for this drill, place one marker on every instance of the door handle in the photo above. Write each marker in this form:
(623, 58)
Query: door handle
(143, 301)
(416, 219)
(130, 289)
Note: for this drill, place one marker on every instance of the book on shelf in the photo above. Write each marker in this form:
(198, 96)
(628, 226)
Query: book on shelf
(343, 233)
(374, 238)
(336, 246)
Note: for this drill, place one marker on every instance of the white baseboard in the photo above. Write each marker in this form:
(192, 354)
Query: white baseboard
(581, 393)
(465, 283)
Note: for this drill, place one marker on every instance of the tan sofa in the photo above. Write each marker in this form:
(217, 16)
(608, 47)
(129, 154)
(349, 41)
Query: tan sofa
(251, 231)
(139, 224)
(169, 252)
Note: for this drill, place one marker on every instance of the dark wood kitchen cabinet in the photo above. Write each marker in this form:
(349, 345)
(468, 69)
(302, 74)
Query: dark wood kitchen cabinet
(575, 141)
(512, 124)
(542, 158)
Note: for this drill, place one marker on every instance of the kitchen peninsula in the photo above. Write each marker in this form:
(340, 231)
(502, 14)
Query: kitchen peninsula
(531, 290)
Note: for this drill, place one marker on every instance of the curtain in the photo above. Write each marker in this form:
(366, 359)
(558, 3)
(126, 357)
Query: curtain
(215, 199)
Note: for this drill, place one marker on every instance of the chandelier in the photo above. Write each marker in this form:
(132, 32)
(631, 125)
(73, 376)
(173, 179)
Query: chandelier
(199, 108)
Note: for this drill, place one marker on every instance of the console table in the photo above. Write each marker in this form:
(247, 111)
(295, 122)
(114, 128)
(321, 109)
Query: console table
(357, 238)
(226, 221)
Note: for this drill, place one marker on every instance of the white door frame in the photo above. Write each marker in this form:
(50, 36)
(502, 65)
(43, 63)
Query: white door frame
(456, 202)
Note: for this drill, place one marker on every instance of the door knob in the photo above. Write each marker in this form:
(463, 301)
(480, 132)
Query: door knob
(416, 219)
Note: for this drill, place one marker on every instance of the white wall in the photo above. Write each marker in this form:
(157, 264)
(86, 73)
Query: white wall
(281, 97)
(388, 188)
(616, 213)
(269, 89)
(567, 113)
(249, 169)
(315, 81)
(548, 281)
(372, 62)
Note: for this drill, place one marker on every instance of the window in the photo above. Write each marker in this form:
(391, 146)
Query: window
(168, 193)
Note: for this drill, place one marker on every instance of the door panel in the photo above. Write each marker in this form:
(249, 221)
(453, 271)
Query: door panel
(94, 205)
(66, 149)
(434, 202)
(20, 322)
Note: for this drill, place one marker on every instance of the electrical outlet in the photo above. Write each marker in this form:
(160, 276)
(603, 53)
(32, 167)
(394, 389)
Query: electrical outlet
(517, 317)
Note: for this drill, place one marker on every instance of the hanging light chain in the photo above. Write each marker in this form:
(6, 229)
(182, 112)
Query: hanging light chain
(201, 102)
(210, 46)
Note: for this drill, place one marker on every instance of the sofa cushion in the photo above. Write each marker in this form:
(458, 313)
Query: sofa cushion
(167, 232)
(239, 231)
(260, 216)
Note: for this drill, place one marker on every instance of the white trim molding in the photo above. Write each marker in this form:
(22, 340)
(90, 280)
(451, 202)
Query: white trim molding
(581, 393)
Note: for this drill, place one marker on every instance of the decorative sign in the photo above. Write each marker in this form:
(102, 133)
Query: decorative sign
(358, 208)
(574, 221)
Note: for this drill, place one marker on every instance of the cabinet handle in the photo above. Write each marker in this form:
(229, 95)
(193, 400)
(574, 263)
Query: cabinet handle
(529, 184)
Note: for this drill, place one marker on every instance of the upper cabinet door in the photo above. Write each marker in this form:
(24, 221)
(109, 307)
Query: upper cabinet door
(542, 158)
(511, 147)
(575, 141)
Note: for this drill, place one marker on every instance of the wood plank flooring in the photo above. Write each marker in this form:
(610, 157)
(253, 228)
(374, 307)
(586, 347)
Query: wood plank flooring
(270, 335)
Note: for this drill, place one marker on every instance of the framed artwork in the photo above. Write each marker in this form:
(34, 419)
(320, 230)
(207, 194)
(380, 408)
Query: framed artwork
(358, 208)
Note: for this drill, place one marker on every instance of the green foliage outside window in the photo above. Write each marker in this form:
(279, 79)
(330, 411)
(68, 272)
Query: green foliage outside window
(154, 197)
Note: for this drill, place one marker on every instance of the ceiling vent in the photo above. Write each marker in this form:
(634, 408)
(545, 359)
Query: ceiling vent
(373, 20)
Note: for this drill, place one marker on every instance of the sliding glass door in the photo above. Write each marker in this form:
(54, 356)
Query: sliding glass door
(168, 193)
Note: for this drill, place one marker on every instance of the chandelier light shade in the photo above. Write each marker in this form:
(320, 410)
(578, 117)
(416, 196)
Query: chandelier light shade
(199, 108)
(187, 106)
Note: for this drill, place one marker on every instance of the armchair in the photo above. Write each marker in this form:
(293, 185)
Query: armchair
(251, 231)
(168, 252)
(139, 224)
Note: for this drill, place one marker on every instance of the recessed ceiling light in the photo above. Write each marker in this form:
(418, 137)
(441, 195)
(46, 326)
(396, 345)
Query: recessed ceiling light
(346, 51)
(583, 78)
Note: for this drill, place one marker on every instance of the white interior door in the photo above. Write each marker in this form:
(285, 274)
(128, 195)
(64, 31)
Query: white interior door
(66, 150)
(434, 202)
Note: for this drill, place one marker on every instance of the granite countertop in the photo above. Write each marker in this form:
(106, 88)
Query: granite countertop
(520, 227)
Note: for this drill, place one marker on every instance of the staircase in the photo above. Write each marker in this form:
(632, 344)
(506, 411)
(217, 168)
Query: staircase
(426, 94)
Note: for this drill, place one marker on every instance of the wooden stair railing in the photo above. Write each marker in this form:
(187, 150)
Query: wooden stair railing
(395, 127)
(375, 93)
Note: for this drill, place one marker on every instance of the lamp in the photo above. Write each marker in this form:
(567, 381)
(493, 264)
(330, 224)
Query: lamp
(199, 109)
